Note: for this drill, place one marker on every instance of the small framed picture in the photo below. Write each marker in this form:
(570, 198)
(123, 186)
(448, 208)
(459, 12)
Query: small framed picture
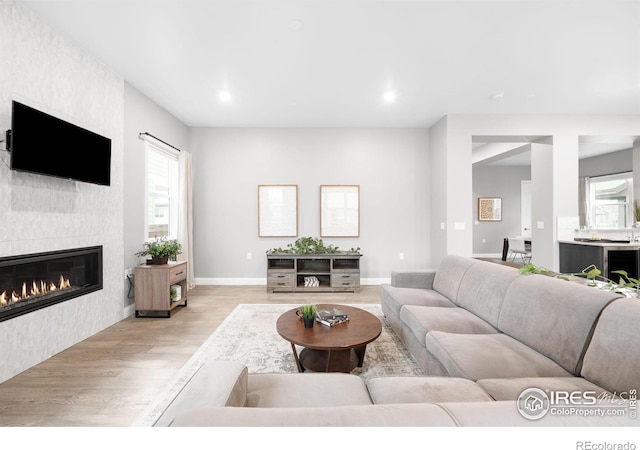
(489, 209)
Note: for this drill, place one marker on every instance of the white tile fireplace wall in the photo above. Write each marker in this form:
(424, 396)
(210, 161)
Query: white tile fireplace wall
(45, 70)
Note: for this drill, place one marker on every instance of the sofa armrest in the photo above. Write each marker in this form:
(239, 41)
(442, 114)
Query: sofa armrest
(419, 279)
(215, 383)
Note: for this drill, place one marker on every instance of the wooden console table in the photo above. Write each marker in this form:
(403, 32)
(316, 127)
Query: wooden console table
(153, 287)
(335, 272)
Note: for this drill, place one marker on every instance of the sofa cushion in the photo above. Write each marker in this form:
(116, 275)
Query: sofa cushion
(422, 319)
(511, 388)
(478, 356)
(290, 390)
(553, 316)
(403, 415)
(215, 383)
(449, 275)
(425, 390)
(483, 288)
(395, 298)
(612, 359)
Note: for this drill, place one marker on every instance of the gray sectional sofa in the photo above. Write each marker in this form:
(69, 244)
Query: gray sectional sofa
(488, 323)
(223, 393)
(483, 334)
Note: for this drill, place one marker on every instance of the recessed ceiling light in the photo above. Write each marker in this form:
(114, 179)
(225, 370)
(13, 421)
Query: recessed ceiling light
(497, 96)
(224, 96)
(389, 96)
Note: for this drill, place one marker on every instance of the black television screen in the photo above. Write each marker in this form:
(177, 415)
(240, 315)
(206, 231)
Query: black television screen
(44, 144)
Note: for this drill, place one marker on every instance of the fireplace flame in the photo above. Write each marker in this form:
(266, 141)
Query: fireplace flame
(33, 289)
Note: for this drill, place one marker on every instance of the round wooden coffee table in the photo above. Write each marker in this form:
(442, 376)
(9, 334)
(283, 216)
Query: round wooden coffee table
(339, 348)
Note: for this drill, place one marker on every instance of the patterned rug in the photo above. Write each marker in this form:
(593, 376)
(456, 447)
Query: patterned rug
(248, 335)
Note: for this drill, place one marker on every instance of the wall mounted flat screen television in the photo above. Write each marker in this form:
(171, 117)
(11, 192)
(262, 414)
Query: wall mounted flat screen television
(44, 144)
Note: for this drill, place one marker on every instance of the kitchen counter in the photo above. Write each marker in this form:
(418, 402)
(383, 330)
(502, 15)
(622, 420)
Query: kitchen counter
(620, 243)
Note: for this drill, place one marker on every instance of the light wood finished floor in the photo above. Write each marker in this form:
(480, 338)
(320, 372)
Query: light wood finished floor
(109, 378)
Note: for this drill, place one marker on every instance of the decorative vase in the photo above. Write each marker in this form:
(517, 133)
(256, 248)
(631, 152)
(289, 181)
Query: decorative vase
(308, 323)
(157, 260)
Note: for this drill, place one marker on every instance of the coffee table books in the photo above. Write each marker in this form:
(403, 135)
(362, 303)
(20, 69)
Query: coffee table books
(331, 316)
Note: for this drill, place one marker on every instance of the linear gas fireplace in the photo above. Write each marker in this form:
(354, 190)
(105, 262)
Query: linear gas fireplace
(35, 281)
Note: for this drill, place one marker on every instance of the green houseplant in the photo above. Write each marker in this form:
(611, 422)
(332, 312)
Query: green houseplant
(311, 245)
(161, 250)
(308, 314)
(625, 285)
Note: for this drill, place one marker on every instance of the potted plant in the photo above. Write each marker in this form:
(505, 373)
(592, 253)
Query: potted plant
(308, 314)
(161, 249)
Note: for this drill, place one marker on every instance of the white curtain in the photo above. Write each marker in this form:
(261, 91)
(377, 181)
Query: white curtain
(185, 213)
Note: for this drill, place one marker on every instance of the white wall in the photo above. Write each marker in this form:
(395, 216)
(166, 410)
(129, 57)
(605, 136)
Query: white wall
(390, 165)
(142, 115)
(39, 213)
(497, 181)
(438, 183)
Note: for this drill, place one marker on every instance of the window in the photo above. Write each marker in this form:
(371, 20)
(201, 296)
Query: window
(161, 191)
(611, 201)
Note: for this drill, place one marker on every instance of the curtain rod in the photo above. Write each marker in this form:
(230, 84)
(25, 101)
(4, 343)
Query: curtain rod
(152, 136)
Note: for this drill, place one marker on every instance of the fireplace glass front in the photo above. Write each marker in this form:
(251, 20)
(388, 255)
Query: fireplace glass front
(35, 281)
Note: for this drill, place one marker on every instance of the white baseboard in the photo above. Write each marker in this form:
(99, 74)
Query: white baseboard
(263, 281)
(128, 311)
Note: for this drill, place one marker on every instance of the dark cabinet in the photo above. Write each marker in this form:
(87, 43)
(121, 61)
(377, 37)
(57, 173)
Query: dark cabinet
(608, 258)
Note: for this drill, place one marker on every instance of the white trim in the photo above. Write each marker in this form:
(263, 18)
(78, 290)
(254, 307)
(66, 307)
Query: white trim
(160, 148)
(128, 311)
(263, 281)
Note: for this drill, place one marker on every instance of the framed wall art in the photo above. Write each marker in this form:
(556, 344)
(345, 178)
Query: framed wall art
(277, 210)
(339, 210)
(489, 209)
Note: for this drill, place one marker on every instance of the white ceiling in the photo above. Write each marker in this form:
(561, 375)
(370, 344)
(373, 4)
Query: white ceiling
(327, 63)
(317, 63)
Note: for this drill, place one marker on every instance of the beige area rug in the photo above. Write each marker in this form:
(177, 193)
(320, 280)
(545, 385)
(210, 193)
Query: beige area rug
(248, 335)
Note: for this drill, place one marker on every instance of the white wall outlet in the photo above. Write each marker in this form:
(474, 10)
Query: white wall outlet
(540, 225)
(484, 241)
(128, 273)
(249, 255)
(401, 255)
(458, 226)
(442, 226)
